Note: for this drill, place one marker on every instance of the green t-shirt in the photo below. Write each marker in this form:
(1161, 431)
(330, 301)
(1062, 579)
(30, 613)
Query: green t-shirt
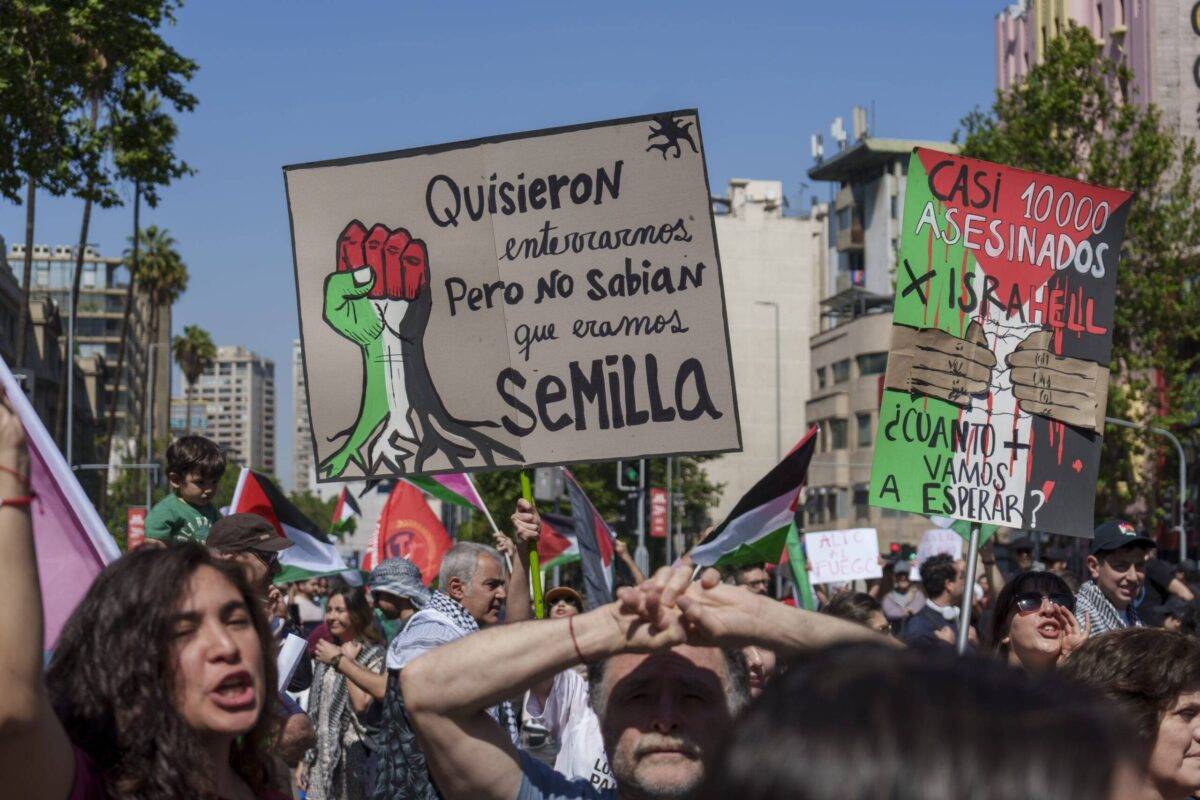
(173, 520)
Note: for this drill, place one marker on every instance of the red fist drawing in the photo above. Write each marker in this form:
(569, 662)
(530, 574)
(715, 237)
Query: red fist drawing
(399, 262)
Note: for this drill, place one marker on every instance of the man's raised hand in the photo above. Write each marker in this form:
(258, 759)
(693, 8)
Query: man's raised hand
(931, 362)
(1069, 390)
(526, 522)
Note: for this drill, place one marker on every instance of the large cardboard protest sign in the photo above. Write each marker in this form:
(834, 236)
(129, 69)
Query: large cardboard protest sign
(993, 407)
(845, 555)
(539, 298)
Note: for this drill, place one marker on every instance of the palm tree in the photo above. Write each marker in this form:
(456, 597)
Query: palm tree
(194, 353)
(162, 277)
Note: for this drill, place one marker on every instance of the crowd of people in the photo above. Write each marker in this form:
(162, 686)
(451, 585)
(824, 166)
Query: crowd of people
(165, 682)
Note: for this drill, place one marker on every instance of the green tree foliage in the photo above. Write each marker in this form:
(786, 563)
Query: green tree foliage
(1073, 117)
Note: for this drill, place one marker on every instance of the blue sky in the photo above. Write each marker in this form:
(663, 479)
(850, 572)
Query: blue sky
(286, 82)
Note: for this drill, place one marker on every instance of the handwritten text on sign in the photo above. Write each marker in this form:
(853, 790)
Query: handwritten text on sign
(838, 556)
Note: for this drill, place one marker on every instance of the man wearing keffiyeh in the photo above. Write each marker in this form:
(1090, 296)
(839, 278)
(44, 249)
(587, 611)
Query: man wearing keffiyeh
(474, 593)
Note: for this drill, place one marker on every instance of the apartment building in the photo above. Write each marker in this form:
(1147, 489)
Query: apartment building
(237, 394)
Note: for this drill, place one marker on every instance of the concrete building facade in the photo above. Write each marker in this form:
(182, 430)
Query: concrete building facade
(99, 318)
(1158, 39)
(304, 473)
(237, 394)
(772, 266)
(849, 348)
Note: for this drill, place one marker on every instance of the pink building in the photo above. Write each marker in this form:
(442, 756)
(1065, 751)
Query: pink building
(1158, 39)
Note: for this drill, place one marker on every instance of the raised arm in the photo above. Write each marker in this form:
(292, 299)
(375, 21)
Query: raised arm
(447, 690)
(35, 755)
(519, 605)
(623, 553)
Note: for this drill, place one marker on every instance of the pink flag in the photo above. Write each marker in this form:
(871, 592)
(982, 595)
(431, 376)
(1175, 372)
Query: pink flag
(71, 541)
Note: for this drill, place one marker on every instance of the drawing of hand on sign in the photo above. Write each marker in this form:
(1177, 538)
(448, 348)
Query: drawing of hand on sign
(932, 362)
(378, 298)
(1068, 390)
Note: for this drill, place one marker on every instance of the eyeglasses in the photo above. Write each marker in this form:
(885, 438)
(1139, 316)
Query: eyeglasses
(270, 560)
(1029, 602)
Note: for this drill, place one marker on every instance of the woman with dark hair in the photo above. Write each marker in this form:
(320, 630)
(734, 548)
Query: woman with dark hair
(1154, 676)
(859, 607)
(860, 722)
(341, 766)
(161, 682)
(1033, 625)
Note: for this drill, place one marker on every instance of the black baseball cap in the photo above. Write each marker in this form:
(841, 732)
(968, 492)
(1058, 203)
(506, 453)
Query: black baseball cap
(1115, 534)
(238, 533)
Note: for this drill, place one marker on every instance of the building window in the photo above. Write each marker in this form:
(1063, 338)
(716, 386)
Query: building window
(864, 429)
(843, 218)
(837, 434)
(841, 370)
(820, 377)
(872, 363)
(862, 502)
(895, 207)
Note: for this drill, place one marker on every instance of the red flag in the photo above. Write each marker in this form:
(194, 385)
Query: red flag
(408, 529)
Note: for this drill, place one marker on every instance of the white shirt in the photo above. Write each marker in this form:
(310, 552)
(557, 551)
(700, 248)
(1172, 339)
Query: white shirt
(569, 717)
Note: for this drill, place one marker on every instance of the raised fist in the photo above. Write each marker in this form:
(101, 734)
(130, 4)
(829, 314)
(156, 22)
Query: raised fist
(932, 362)
(1068, 390)
(378, 273)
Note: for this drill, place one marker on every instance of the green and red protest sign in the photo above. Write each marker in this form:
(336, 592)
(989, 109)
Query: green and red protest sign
(993, 407)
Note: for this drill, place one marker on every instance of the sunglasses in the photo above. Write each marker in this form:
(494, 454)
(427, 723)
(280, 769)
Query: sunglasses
(271, 560)
(1029, 602)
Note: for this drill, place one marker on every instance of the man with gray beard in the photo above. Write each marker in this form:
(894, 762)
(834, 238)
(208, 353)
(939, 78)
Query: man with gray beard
(666, 680)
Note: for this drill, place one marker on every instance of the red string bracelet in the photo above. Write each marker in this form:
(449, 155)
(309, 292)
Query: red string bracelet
(17, 502)
(22, 478)
(571, 628)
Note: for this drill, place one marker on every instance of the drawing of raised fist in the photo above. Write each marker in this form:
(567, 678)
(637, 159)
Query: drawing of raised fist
(1069, 390)
(378, 273)
(931, 362)
(377, 297)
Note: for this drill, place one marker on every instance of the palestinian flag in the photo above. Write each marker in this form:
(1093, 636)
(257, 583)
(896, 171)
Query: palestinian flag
(408, 529)
(312, 553)
(345, 512)
(756, 530)
(556, 541)
(594, 540)
(449, 487)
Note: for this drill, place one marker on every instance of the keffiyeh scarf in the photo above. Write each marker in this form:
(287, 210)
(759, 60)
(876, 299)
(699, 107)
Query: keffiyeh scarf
(1091, 602)
(458, 615)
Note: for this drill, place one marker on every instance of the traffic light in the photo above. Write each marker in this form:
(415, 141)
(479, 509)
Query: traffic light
(629, 511)
(629, 475)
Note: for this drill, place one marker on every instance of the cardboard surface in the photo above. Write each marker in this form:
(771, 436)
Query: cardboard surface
(533, 299)
(993, 407)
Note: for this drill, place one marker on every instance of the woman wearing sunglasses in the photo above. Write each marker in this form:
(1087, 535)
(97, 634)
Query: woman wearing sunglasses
(1034, 625)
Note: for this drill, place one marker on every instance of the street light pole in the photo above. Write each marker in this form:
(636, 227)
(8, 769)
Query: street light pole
(71, 363)
(150, 377)
(778, 388)
(1124, 423)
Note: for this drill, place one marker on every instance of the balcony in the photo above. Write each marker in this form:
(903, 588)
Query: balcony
(850, 238)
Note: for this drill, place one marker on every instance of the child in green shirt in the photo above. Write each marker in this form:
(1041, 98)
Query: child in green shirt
(194, 467)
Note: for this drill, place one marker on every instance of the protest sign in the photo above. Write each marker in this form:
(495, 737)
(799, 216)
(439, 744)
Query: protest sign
(997, 379)
(839, 556)
(938, 541)
(658, 513)
(537, 298)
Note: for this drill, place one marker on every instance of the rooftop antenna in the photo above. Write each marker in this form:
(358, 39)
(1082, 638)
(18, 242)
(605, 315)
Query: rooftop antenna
(818, 147)
(858, 122)
(838, 131)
